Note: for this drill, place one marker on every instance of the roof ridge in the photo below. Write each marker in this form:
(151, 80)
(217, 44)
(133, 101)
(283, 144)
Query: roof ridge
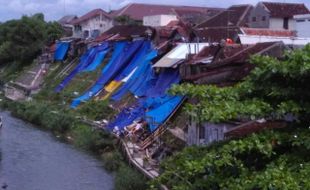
(240, 5)
(244, 14)
(124, 9)
(297, 3)
(197, 27)
(170, 5)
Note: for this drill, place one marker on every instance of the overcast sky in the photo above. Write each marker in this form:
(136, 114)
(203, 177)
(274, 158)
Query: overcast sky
(55, 9)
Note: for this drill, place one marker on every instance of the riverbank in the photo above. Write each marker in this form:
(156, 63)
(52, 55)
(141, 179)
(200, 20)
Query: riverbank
(34, 159)
(65, 124)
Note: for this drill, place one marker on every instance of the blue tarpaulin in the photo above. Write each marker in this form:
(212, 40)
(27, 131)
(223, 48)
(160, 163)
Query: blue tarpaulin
(165, 80)
(134, 63)
(126, 117)
(160, 114)
(97, 61)
(145, 83)
(120, 63)
(139, 76)
(85, 60)
(61, 50)
(120, 59)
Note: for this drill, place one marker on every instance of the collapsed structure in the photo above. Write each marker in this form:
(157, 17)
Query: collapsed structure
(144, 62)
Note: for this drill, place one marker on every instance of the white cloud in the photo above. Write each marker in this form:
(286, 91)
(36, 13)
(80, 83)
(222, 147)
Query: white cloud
(54, 9)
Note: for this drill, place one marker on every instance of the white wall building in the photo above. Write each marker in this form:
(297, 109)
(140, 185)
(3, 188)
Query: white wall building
(302, 25)
(158, 20)
(92, 24)
(276, 15)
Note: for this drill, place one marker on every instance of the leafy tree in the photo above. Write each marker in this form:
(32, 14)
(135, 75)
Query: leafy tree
(273, 89)
(21, 40)
(274, 159)
(125, 20)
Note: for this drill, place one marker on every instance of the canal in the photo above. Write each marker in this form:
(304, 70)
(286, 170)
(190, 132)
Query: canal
(31, 159)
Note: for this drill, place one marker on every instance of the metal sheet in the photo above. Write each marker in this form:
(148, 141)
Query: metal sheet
(179, 53)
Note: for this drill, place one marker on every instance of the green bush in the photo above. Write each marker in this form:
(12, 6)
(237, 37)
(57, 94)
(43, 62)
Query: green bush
(85, 137)
(128, 179)
(96, 110)
(112, 160)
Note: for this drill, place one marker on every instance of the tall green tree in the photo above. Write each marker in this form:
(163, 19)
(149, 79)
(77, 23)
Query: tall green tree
(21, 40)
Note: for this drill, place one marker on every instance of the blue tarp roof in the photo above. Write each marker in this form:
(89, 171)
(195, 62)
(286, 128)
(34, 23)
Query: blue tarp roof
(118, 48)
(118, 62)
(157, 116)
(85, 61)
(138, 77)
(61, 50)
(126, 117)
(137, 59)
(165, 80)
(155, 99)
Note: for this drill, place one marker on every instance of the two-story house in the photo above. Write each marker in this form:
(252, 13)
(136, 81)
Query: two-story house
(276, 15)
(92, 24)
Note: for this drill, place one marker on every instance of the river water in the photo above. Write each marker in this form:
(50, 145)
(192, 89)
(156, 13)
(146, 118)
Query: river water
(31, 159)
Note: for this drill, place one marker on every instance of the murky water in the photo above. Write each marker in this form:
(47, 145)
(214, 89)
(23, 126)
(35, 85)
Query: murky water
(31, 159)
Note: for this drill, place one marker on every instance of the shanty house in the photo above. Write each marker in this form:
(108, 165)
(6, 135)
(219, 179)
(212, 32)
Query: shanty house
(276, 15)
(222, 66)
(92, 24)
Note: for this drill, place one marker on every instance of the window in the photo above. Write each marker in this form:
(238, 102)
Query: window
(300, 20)
(254, 19)
(285, 23)
(264, 18)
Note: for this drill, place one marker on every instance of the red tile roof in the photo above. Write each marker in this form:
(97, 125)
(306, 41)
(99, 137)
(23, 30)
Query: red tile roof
(137, 11)
(91, 14)
(126, 31)
(236, 15)
(67, 19)
(196, 17)
(268, 32)
(283, 10)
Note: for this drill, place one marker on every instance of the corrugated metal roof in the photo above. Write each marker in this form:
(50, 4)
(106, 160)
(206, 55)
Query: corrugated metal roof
(179, 53)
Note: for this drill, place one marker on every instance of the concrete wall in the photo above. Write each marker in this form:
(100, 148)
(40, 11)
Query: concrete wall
(302, 25)
(94, 25)
(206, 133)
(261, 16)
(158, 20)
(277, 23)
(263, 19)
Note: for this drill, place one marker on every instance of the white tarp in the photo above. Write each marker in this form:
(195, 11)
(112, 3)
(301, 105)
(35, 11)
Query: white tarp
(179, 53)
(253, 39)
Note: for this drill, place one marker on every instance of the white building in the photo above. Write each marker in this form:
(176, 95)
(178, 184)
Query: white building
(158, 20)
(92, 24)
(302, 25)
(276, 15)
